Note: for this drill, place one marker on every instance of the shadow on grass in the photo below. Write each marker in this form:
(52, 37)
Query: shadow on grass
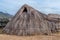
(1, 29)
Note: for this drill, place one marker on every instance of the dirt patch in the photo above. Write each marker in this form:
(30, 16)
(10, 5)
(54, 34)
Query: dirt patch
(36, 37)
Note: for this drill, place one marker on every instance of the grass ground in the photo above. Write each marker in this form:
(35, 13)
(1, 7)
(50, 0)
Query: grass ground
(1, 30)
(36, 37)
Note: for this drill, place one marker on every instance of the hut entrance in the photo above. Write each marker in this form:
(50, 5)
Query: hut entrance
(25, 10)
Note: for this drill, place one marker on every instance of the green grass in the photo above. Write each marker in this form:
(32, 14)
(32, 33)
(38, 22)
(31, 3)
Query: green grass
(1, 30)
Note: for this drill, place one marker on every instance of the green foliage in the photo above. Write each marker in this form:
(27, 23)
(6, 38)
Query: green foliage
(4, 19)
(3, 22)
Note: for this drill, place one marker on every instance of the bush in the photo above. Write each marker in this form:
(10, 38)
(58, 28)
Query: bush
(3, 22)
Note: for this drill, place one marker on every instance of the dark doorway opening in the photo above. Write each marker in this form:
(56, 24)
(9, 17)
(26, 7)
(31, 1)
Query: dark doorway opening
(25, 10)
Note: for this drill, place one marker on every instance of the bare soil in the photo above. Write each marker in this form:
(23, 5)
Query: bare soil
(36, 37)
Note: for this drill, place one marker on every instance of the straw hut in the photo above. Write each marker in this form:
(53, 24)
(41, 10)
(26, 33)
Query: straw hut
(29, 21)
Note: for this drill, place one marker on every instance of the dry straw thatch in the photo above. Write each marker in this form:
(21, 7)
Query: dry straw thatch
(29, 21)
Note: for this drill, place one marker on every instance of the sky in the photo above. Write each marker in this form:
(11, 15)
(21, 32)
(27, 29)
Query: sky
(44, 6)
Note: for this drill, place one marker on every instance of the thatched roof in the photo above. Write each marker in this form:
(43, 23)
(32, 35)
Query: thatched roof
(29, 21)
(54, 17)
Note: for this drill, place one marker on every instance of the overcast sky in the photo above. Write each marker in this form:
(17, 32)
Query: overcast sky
(45, 6)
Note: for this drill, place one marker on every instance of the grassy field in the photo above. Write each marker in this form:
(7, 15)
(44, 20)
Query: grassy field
(36, 37)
